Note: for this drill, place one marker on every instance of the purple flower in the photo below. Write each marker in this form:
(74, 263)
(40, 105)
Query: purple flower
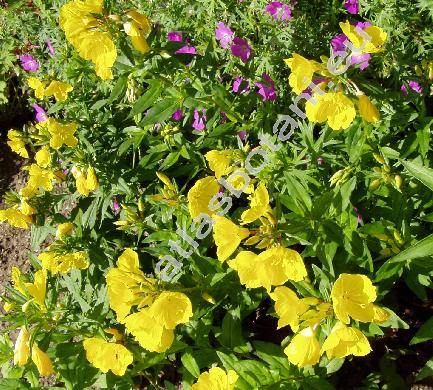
(242, 135)
(351, 6)
(240, 85)
(224, 35)
(223, 117)
(174, 36)
(116, 206)
(50, 48)
(362, 59)
(339, 47)
(363, 25)
(320, 160)
(337, 43)
(199, 122)
(240, 48)
(40, 114)
(279, 11)
(414, 86)
(177, 115)
(267, 88)
(187, 49)
(29, 63)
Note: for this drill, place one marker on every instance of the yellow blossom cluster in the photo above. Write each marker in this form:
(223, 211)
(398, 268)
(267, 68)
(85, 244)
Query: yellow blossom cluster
(335, 106)
(159, 312)
(86, 28)
(352, 297)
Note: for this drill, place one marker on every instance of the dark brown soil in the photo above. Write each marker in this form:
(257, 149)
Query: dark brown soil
(14, 243)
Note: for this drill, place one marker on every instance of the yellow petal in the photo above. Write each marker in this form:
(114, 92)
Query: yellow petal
(259, 205)
(368, 110)
(43, 157)
(200, 195)
(227, 236)
(42, 361)
(22, 348)
(304, 349)
(107, 356)
(171, 309)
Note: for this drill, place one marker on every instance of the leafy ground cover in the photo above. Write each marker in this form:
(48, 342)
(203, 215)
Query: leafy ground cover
(217, 194)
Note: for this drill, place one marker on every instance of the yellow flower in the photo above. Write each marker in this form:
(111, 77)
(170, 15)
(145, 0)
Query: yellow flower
(43, 157)
(38, 86)
(127, 285)
(85, 182)
(248, 268)
(63, 262)
(259, 205)
(200, 195)
(352, 295)
(26, 209)
(334, 107)
(367, 109)
(344, 341)
(288, 307)
(148, 333)
(38, 288)
(380, 315)
(238, 183)
(304, 349)
(227, 236)
(83, 31)
(91, 180)
(42, 361)
(282, 264)
(220, 162)
(273, 267)
(22, 348)
(40, 178)
(16, 143)
(15, 218)
(7, 307)
(64, 229)
(372, 43)
(137, 28)
(171, 309)
(59, 90)
(107, 356)
(302, 71)
(216, 379)
(62, 134)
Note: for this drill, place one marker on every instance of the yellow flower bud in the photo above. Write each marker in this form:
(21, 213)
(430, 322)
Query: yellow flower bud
(374, 185)
(398, 181)
(379, 158)
(208, 298)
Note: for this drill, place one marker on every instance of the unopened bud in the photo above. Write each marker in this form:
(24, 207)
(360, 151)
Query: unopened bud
(379, 158)
(398, 181)
(374, 185)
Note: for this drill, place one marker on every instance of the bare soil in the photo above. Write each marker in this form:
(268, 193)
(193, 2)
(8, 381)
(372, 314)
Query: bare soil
(14, 243)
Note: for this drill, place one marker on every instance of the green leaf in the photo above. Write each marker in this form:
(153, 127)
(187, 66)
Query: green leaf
(190, 364)
(119, 89)
(427, 371)
(146, 100)
(13, 384)
(420, 172)
(423, 248)
(231, 335)
(274, 356)
(424, 333)
(160, 112)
